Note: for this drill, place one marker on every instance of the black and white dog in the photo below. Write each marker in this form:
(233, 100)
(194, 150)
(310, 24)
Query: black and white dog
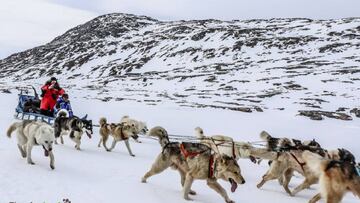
(74, 127)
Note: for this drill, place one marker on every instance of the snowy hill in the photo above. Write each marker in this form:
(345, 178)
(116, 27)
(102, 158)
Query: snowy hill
(251, 65)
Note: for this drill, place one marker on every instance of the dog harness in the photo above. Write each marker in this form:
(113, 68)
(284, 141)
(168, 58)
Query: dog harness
(232, 144)
(212, 167)
(301, 164)
(187, 154)
(122, 134)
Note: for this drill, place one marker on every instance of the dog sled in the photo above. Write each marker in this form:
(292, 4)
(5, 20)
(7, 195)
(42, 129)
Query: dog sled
(28, 108)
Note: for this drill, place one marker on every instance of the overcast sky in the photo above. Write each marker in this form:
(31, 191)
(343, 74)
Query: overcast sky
(28, 23)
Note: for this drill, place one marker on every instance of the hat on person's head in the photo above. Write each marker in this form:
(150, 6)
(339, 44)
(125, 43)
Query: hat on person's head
(53, 79)
(65, 96)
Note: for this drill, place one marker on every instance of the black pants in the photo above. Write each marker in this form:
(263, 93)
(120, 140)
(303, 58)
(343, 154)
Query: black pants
(47, 112)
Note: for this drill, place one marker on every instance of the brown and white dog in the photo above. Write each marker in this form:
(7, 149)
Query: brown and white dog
(141, 128)
(287, 158)
(336, 177)
(119, 131)
(195, 161)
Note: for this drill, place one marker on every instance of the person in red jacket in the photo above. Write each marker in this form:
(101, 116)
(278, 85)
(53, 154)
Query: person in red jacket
(50, 93)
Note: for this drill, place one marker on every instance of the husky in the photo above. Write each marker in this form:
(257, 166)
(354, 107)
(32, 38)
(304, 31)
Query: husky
(336, 177)
(88, 126)
(63, 125)
(195, 161)
(225, 145)
(283, 144)
(140, 126)
(33, 133)
(119, 131)
(285, 162)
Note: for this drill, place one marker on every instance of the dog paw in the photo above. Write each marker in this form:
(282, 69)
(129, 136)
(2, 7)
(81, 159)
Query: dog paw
(258, 186)
(143, 180)
(133, 155)
(31, 163)
(188, 199)
(52, 167)
(229, 201)
(192, 192)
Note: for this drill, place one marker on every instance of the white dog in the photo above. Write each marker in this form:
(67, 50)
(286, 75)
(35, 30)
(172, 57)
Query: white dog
(225, 145)
(140, 126)
(32, 133)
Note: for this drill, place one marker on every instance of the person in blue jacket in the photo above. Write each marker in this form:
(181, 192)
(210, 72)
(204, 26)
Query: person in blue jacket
(63, 102)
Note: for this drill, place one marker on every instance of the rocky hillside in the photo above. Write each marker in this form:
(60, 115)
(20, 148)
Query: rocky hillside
(308, 66)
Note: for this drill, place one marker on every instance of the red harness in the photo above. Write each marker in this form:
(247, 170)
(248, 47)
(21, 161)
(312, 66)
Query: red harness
(187, 153)
(211, 167)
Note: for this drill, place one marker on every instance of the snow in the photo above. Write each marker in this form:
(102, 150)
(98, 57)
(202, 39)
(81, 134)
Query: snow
(94, 175)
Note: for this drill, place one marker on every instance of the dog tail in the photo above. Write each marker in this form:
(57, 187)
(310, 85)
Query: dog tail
(102, 121)
(199, 133)
(63, 113)
(244, 149)
(12, 128)
(315, 162)
(265, 135)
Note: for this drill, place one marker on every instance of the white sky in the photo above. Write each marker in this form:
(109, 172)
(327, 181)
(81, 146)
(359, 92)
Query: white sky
(28, 23)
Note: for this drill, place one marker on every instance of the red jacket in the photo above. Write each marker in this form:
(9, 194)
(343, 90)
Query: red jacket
(49, 99)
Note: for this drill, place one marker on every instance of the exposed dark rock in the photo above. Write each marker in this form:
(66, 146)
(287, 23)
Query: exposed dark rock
(258, 109)
(356, 111)
(341, 109)
(317, 115)
(6, 91)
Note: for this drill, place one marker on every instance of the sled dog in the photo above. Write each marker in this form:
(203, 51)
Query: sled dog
(336, 177)
(195, 161)
(119, 131)
(285, 162)
(141, 127)
(63, 125)
(33, 133)
(225, 145)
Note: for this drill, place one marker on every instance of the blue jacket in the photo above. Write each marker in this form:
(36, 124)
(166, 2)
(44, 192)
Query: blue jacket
(61, 104)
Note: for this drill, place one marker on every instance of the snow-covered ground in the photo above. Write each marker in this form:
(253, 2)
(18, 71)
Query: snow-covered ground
(94, 175)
